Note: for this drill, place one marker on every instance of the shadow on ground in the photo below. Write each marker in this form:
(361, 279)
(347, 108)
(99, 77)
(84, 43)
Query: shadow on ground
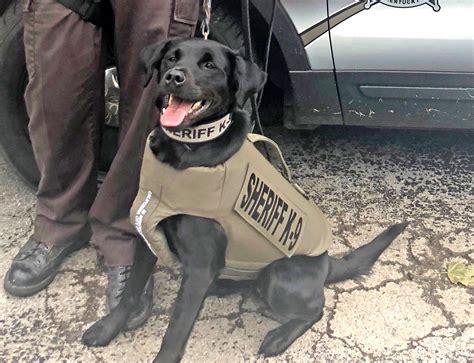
(364, 180)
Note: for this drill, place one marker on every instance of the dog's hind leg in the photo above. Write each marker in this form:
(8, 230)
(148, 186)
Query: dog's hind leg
(107, 328)
(201, 245)
(279, 339)
(293, 289)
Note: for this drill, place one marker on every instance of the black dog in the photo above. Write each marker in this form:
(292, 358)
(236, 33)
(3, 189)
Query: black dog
(201, 81)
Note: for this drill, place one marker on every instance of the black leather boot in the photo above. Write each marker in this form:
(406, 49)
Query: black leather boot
(117, 278)
(36, 266)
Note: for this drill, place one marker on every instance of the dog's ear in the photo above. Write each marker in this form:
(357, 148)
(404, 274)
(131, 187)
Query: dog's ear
(248, 78)
(151, 56)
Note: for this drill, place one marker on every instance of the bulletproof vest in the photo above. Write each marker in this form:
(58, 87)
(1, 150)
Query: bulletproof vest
(264, 215)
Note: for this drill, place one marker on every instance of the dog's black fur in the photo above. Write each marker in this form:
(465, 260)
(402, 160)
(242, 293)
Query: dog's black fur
(291, 287)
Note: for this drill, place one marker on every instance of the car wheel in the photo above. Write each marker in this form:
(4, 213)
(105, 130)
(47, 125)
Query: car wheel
(13, 78)
(226, 25)
(14, 139)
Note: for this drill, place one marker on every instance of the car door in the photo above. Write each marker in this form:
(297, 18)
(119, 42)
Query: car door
(404, 63)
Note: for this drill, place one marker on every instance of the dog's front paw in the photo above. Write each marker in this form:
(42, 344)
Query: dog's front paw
(275, 343)
(101, 333)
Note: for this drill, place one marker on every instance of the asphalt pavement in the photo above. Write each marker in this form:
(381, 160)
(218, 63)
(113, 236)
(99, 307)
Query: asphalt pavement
(364, 180)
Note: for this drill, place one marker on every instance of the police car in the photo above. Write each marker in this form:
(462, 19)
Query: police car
(376, 63)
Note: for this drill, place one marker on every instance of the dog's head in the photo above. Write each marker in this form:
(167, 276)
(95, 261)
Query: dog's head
(199, 80)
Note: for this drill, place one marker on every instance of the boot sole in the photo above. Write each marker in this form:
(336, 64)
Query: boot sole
(25, 291)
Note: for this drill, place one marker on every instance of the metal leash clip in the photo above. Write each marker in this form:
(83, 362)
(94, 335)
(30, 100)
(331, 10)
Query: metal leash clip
(205, 24)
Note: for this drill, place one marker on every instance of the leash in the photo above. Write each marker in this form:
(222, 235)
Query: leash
(267, 47)
(257, 99)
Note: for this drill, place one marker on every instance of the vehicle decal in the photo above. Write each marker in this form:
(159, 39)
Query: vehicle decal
(315, 31)
(405, 3)
(318, 29)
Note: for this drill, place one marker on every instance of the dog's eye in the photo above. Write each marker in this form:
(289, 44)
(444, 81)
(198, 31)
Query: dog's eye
(172, 59)
(209, 65)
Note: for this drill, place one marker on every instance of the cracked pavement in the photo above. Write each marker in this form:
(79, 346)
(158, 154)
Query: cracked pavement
(364, 180)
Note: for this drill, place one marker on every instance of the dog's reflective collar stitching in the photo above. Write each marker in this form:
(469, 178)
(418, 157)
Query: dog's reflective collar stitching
(201, 133)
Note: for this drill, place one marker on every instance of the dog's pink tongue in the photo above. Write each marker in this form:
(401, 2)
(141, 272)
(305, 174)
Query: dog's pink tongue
(175, 113)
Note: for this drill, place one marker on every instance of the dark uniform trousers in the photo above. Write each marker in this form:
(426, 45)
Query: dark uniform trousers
(65, 102)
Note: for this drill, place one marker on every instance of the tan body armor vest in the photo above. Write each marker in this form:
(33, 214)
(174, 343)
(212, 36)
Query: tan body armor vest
(265, 217)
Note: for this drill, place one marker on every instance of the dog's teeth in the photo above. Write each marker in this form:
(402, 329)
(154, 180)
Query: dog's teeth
(195, 106)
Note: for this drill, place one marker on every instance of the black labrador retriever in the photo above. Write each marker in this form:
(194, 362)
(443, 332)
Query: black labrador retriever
(201, 81)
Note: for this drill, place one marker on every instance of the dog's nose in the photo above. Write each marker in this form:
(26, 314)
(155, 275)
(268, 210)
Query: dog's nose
(175, 76)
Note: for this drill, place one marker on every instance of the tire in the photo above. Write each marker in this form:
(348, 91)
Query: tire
(13, 79)
(226, 28)
(225, 25)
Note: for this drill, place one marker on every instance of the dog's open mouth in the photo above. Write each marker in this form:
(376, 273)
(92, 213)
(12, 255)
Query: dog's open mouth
(176, 110)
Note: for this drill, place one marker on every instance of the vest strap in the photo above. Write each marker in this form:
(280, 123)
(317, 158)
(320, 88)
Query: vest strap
(253, 138)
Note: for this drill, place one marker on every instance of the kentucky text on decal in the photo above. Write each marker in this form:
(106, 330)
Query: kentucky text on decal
(270, 212)
(434, 4)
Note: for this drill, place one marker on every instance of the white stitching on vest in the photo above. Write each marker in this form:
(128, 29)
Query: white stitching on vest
(140, 215)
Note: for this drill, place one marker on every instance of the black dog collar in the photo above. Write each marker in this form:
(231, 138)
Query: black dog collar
(201, 133)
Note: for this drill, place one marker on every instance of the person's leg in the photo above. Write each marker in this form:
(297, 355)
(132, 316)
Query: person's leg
(137, 24)
(64, 99)
(65, 102)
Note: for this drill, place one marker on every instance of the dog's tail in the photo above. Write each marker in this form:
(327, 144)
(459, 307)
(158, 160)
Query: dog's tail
(360, 261)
